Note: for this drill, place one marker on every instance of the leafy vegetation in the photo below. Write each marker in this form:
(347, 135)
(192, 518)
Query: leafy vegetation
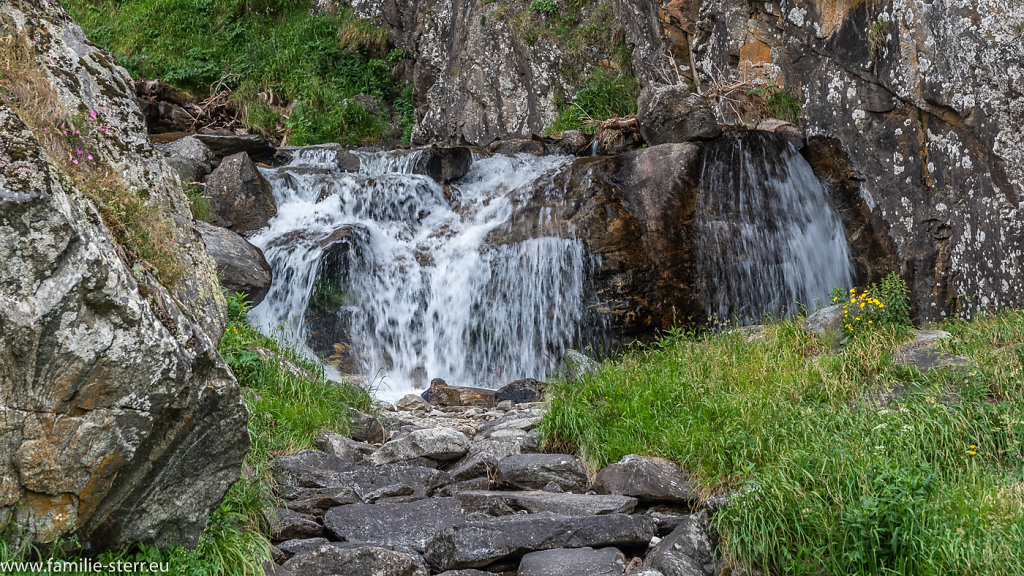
(289, 399)
(779, 102)
(837, 461)
(884, 303)
(603, 96)
(268, 52)
(877, 32)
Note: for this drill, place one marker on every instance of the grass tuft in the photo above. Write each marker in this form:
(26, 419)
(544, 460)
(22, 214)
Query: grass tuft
(837, 461)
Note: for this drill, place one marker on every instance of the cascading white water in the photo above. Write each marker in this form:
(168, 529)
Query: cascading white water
(401, 266)
(766, 235)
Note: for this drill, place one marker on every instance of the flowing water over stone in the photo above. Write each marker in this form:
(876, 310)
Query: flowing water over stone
(766, 235)
(393, 272)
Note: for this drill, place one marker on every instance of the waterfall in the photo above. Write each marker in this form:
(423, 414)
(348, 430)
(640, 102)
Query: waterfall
(391, 275)
(766, 235)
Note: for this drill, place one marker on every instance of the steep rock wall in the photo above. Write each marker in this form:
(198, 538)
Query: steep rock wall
(914, 109)
(121, 422)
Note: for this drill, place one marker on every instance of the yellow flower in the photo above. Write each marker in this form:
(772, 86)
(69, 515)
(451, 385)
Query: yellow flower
(870, 321)
(858, 318)
(971, 452)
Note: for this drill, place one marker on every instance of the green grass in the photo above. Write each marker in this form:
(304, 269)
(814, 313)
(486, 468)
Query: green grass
(288, 402)
(603, 96)
(840, 462)
(266, 51)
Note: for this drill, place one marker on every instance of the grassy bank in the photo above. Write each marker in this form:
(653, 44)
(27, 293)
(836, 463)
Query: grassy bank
(289, 399)
(270, 53)
(839, 460)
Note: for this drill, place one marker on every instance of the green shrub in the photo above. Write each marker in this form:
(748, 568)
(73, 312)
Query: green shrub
(884, 303)
(548, 8)
(779, 103)
(604, 95)
(263, 50)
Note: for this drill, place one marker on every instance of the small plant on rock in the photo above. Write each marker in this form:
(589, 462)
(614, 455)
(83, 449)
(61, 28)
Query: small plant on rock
(884, 303)
(877, 32)
(548, 8)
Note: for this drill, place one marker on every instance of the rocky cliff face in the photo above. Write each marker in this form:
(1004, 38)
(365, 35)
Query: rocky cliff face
(913, 110)
(918, 107)
(487, 70)
(121, 423)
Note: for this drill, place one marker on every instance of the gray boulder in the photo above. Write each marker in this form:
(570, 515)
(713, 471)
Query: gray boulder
(309, 469)
(344, 448)
(648, 479)
(521, 391)
(535, 471)
(824, 321)
(484, 455)
(536, 502)
(671, 113)
(287, 524)
(437, 444)
(466, 573)
(482, 542)
(242, 266)
(412, 403)
(189, 157)
(576, 365)
(687, 551)
(573, 562)
(121, 423)
(240, 196)
(335, 560)
(444, 164)
(366, 428)
(407, 525)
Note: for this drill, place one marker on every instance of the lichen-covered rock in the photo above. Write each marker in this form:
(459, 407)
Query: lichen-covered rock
(444, 164)
(121, 423)
(190, 157)
(240, 196)
(920, 106)
(674, 114)
(83, 77)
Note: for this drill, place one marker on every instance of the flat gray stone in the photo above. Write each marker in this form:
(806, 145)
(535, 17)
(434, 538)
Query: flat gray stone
(407, 525)
(334, 560)
(481, 542)
(560, 503)
(535, 471)
(687, 551)
(573, 562)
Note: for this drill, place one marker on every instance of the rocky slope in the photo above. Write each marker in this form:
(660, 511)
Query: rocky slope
(121, 421)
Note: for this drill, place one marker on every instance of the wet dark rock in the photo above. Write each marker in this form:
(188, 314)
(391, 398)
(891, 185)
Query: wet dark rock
(617, 136)
(338, 157)
(687, 551)
(573, 562)
(482, 542)
(444, 164)
(242, 266)
(408, 525)
(648, 479)
(534, 471)
(520, 391)
(240, 196)
(791, 132)
(574, 143)
(518, 146)
(223, 145)
(287, 524)
(671, 113)
(338, 560)
(441, 394)
(558, 503)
